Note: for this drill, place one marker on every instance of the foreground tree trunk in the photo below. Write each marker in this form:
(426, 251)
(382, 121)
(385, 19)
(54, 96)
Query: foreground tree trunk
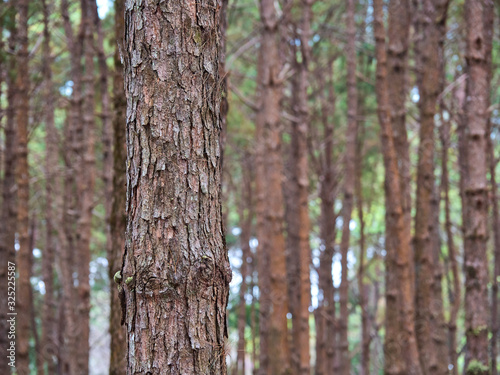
(479, 20)
(274, 354)
(175, 276)
(118, 218)
(23, 255)
(400, 346)
(429, 320)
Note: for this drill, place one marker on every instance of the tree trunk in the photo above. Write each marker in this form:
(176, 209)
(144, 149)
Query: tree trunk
(245, 214)
(455, 292)
(23, 255)
(400, 347)
(429, 321)
(326, 342)
(274, 354)
(176, 271)
(479, 20)
(118, 218)
(51, 157)
(349, 182)
(298, 221)
(9, 194)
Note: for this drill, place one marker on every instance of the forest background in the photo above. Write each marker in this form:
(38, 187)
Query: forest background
(63, 182)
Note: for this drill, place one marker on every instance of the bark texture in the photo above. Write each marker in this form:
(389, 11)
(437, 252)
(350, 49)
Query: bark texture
(176, 271)
(274, 353)
(479, 21)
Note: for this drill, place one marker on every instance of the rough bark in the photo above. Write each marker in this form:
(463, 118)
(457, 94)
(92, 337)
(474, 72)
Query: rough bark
(479, 21)
(9, 191)
(118, 218)
(176, 271)
(349, 184)
(429, 321)
(23, 255)
(298, 222)
(274, 353)
(48, 339)
(400, 346)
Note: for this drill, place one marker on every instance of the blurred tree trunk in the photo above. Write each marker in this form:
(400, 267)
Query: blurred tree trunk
(9, 191)
(48, 341)
(326, 342)
(496, 243)
(454, 291)
(400, 347)
(245, 213)
(23, 255)
(363, 288)
(85, 190)
(349, 183)
(73, 151)
(118, 218)
(274, 353)
(175, 276)
(429, 319)
(297, 217)
(479, 21)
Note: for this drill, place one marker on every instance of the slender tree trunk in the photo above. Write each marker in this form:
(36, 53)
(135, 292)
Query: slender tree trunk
(176, 271)
(363, 288)
(455, 292)
(9, 194)
(479, 20)
(245, 217)
(118, 218)
(326, 342)
(496, 242)
(429, 321)
(23, 255)
(298, 221)
(48, 255)
(274, 354)
(73, 138)
(349, 183)
(400, 347)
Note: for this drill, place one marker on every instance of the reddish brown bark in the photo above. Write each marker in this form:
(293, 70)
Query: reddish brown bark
(429, 320)
(479, 21)
(176, 271)
(274, 353)
(298, 222)
(400, 346)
